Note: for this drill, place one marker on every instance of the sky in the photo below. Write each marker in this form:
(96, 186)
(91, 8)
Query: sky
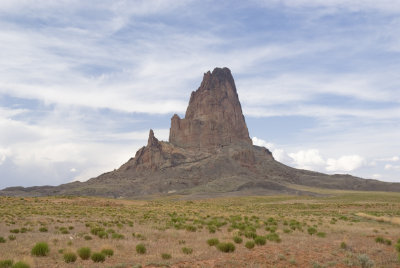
(82, 82)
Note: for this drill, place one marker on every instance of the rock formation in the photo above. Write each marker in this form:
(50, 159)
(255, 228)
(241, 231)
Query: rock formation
(214, 116)
(209, 153)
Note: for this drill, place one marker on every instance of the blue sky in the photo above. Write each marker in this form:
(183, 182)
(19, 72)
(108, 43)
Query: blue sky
(81, 82)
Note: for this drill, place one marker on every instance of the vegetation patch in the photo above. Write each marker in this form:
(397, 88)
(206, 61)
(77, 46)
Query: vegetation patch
(260, 240)
(237, 239)
(187, 250)
(6, 263)
(41, 249)
(84, 253)
(21, 264)
(249, 244)
(69, 257)
(212, 241)
(166, 256)
(108, 252)
(141, 249)
(98, 257)
(226, 247)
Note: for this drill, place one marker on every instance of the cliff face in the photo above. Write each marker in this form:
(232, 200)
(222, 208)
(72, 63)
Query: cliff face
(214, 116)
(213, 120)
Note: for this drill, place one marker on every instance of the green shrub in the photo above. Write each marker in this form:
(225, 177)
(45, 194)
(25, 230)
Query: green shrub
(166, 256)
(321, 234)
(64, 230)
(226, 247)
(96, 230)
(250, 234)
(87, 237)
(212, 229)
(398, 247)
(274, 237)
(40, 249)
(84, 253)
(43, 229)
(311, 230)
(380, 240)
(343, 245)
(237, 239)
(187, 251)
(102, 234)
(191, 228)
(260, 240)
(6, 263)
(108, 252)
(14, 231)
(117, 236)
(2, 240)
(212, 241)
(249, 244)
(20, 264)
(12, 237)
(98, 257)
(141, 248)
(69, 257)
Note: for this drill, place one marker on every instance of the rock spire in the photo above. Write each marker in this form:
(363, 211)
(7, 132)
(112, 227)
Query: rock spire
(214, 116)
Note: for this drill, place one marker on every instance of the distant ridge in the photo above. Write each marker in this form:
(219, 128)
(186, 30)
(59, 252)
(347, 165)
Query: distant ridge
(209, 153)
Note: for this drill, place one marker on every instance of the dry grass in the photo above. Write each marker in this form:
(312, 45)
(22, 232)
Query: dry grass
(390, 219)
(165, 226)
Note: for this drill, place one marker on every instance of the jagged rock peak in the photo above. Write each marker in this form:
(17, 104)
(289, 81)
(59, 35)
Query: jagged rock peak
(152, 141)
(214, 116)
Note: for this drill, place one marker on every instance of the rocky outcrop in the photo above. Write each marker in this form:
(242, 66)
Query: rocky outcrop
(209, 153)
(214, 116)
(148, 157)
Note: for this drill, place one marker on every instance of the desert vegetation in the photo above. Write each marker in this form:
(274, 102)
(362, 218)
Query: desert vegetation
(334, 228)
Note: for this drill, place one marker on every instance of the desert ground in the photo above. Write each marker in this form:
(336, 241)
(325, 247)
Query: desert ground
(330, 229)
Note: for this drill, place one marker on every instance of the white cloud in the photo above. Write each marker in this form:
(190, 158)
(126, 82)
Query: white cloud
(263, 143)
(3, 154)
(278, 153)
(392, 167)
(307, 159)
(281, 156)
(50, 147)
(312, 159)
(345, 163)
(395, 158)
(377, 176)
(300, 95)
(332, 6)
(388, 159)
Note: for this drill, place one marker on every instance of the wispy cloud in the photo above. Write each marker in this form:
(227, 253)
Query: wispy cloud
(387, 6)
